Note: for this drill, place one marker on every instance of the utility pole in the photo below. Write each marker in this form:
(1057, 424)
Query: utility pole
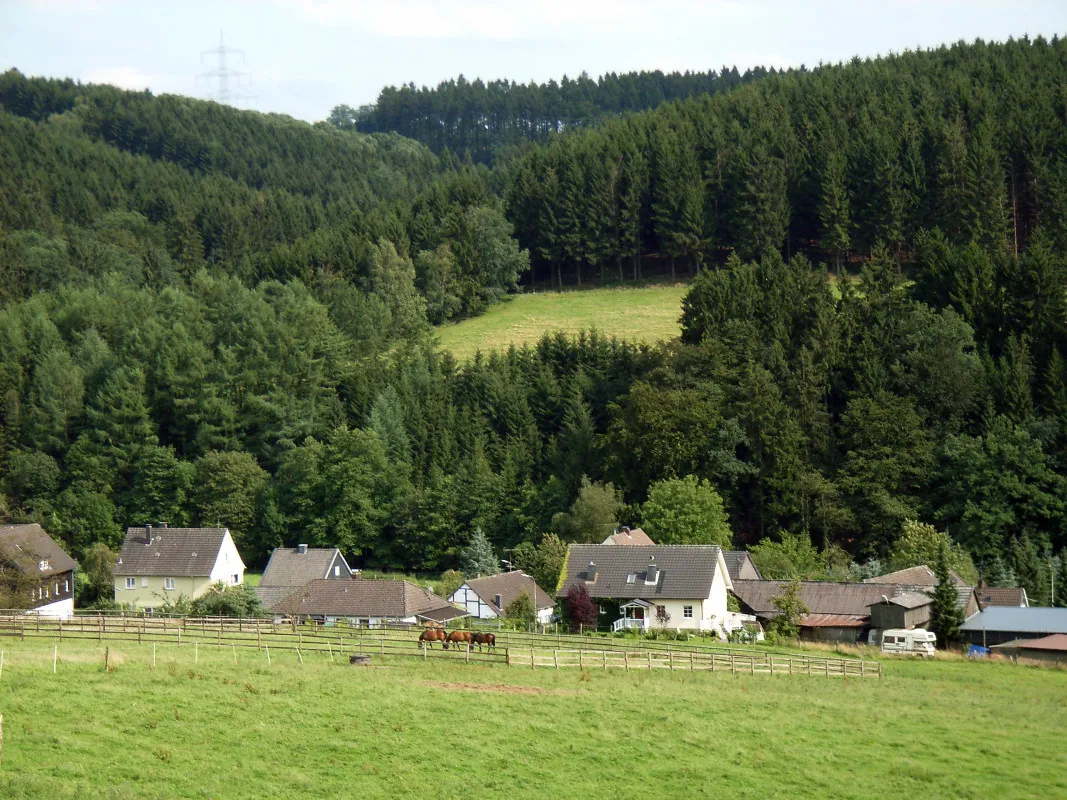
(223, 74)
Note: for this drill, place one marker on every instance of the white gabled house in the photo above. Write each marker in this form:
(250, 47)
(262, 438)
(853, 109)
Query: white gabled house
(489, 597)
(671, 586)
(36, 574)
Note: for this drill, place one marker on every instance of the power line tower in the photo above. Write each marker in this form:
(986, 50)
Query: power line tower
(224, 94)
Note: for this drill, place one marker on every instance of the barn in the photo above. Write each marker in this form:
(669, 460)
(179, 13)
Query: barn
(1002, 624)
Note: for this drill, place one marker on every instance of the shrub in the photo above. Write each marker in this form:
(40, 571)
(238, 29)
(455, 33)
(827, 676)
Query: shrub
(521, 609)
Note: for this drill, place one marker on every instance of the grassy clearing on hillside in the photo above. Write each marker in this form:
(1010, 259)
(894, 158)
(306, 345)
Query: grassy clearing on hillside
(644, 314)
(442, 729)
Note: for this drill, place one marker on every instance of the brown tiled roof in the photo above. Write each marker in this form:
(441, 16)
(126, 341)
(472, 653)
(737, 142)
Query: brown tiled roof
(177, 552)
(821, 597)
(911, 600)
(29, 548)
(289, 567)
(509, 585)
(361, 598)
(629, 536)
(1002, 596)
(915, 576)
(738, 560)
(270, 596)
(1057, 641)
(685, 572)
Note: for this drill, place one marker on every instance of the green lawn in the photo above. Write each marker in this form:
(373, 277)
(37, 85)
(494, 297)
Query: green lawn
(645, 314)
(408, 728)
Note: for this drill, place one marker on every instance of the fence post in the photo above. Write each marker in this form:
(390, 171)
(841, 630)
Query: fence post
(268, 655)
(467, 655)
(259, 637)
(196, 653)
(732, 665)
(107, 654)
(581, 665)
(862, 670)
(555, 658)
(507, 656)
(300, 656)
(626, 660)
(770, 663)
(670, 659)
(533, 662)
(604, 659)
(826, 666)
(649, 660)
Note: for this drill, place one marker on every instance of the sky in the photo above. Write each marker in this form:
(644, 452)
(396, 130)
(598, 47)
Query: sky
(303, 57)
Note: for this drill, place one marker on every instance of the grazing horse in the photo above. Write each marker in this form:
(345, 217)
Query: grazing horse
(488, 639)
(431, 635)
(460, 637)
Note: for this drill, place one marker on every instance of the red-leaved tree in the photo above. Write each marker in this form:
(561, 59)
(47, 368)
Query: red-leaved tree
(579, 607)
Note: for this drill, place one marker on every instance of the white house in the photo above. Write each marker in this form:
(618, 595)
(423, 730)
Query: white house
(35, 572)
(487, 598)
(163, 563)
(672, 586)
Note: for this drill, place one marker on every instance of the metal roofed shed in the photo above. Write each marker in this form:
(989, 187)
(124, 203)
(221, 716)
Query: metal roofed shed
(1002, 624)
(1048, 650)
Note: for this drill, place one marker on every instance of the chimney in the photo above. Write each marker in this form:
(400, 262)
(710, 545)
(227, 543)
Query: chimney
(625, 529)
(652, 573)
(499, 601)
(148, 533)
(162, 524)
(590, 573)
(301, 549)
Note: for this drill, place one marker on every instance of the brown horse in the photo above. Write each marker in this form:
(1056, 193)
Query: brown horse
(431, 635)
(487, 639)
(460, 637)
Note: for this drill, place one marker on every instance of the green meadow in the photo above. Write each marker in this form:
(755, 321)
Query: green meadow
(643, 314)
(409, 728)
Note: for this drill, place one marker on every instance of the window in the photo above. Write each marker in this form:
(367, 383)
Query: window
(42, 565)
(148, 611)
(337, 570)
(168, 583)
(631, 578)
(131, 583)
(66, 585)
(144, 583)
(57, 590)
(236, 579)
(687, 612)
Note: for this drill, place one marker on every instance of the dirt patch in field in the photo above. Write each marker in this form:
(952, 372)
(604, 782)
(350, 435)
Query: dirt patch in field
(501, 688)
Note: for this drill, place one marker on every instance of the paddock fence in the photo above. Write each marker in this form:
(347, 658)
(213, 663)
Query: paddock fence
(512, 649)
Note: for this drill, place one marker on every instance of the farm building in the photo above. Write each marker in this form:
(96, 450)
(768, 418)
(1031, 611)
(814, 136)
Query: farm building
(629, 537)
(905, 610)
(837, 612)
(1048, 650)
(1011, 596)
(486, 598)
(1001, 624)
(161, 564)
(365, 602)
(740, 566)
(921, 575)
(674, 586)
(292, 568)
(35, 572)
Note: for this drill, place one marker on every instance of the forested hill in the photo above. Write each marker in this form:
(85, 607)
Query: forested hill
(476, 119)
(193, 344)
(969, 139)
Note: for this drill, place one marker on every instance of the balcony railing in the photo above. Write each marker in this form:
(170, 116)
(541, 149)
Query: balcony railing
(628, 622)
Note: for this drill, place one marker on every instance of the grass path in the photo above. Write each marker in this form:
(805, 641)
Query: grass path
(405, 728)
(645, 314)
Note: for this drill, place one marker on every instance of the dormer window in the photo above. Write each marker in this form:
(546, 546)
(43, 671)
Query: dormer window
(43, 565)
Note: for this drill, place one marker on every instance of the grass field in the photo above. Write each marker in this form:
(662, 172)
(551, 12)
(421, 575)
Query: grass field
(645, 314)
(444, 729)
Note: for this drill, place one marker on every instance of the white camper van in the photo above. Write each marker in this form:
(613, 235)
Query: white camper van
(916, 642)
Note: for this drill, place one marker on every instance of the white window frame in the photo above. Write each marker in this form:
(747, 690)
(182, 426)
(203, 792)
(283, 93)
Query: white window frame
(236, 579)
(169, 584)
(144, 582)
(131, 583)
(337, 570)
(687, 612)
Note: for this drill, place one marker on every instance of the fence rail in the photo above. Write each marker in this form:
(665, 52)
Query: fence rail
(535, 652)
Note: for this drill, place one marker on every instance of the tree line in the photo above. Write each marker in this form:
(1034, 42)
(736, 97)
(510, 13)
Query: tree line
(479, 121)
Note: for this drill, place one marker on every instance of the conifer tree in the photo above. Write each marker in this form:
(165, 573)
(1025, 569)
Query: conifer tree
(946, 615)
(478, 557)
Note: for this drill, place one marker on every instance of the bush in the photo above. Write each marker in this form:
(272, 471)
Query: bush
(521, 609)
(227, 601)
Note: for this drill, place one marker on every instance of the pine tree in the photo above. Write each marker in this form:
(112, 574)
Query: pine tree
(478, 558)
(947, 616)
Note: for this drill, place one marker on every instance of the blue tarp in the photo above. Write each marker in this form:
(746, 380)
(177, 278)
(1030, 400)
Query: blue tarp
(977, 651)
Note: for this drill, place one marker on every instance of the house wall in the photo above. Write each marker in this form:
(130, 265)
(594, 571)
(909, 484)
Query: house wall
(229, 568)
(1042, 657)
(709, 613)
(150, 591)
(60, 609)
(885, 616)
(468, 599)
(830, 634)
(990, 638)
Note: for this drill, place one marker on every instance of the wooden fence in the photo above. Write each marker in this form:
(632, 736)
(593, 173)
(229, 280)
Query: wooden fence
(531, 650)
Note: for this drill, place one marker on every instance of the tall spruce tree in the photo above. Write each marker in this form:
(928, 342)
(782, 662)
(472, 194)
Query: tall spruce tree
(947, 616)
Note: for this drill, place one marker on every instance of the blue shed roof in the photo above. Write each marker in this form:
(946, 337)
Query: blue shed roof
(1018, 620)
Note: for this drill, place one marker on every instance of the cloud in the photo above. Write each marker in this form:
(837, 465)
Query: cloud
(546, 19)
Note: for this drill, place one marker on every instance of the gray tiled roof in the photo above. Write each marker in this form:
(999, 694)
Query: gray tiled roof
(270, 596)
(177, 552)
(289, 567)
(509, 585)
(1018, 620)
(738, 561)
(361, 598)
(686, 572)
(911, 599)
(26, 546)
(821, 597)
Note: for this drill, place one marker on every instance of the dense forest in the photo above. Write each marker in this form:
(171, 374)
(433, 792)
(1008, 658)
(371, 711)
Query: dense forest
(477, 120)
(213, 316)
